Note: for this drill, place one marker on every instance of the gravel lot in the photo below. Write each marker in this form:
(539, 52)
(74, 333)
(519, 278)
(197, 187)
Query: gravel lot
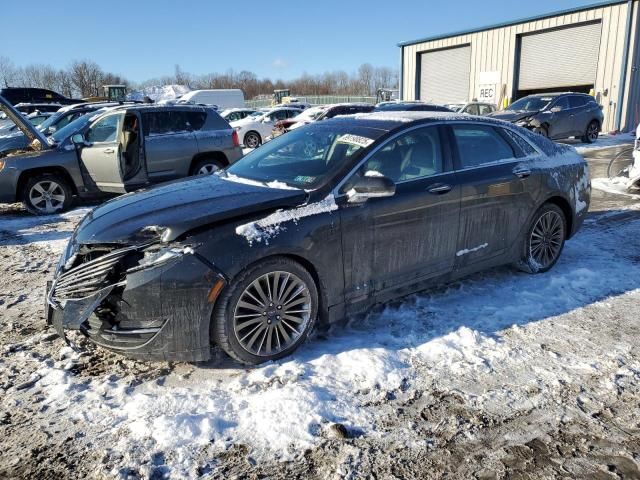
(501, 375)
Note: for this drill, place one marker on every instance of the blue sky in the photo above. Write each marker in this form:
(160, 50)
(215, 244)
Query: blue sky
(283, 39)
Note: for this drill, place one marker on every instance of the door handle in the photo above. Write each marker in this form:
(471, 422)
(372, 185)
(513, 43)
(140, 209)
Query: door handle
(108, 150)
(439, 188)
(521, 172)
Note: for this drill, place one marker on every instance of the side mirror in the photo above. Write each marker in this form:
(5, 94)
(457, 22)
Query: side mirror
(77, 139)
(372, 185)
(556, 109)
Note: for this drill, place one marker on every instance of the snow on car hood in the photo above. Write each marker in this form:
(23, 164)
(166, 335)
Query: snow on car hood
(177, 207)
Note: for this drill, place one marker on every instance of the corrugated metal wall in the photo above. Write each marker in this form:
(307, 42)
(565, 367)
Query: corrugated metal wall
(495, 51)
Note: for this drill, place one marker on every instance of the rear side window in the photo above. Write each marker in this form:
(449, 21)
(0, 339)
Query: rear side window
(172, 121)
(480, 145)
(485, 109)
(520, 143)
(195, 120)
(472, 110)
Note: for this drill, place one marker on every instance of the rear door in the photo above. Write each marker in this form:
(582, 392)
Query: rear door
(170, 144)
(498, 189)
(101, 155)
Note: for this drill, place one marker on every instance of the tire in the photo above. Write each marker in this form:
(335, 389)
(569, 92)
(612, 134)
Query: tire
(206, 166)
(259, 334)
(540, 254)
(46, 194)
(542, 130)
(591, 133)
(252, 139)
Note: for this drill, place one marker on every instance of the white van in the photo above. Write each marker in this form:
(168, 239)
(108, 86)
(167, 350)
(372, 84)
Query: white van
(231, 98)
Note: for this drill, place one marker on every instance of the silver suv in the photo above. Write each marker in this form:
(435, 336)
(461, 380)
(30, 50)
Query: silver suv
(115, 151)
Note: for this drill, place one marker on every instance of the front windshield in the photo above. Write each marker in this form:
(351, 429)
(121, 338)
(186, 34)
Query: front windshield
(73, 127)
(530, 104)
(304, 158)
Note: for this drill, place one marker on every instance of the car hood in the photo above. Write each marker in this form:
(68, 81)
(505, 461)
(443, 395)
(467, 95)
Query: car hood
(172, 209)
(12, 142)
(511, 116)
(35, 136)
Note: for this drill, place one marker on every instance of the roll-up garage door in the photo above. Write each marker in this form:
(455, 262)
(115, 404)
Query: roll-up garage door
(444, 75)
(559, 58)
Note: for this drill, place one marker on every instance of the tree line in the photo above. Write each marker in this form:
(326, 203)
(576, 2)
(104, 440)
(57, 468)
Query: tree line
(83, 78)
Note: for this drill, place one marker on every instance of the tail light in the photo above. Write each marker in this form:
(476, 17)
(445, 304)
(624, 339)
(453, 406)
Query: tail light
(234, 137)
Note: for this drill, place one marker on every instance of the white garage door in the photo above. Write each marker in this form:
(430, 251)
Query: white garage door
(560, 58)
(444, 75)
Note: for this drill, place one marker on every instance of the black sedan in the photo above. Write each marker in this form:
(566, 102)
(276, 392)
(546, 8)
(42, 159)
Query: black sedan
(251, 258)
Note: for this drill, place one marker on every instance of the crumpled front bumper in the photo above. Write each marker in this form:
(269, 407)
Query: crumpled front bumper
(162, 312)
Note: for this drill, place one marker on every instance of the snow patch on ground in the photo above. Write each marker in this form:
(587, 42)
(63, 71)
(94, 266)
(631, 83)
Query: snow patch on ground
(270, 226)
(604, 141)
(617, 185)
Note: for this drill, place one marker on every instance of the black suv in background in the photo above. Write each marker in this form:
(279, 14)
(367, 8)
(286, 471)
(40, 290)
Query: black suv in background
(557, 115)
(16, 95)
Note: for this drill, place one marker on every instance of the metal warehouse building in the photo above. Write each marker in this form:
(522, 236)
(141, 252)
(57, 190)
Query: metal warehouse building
(593, 49)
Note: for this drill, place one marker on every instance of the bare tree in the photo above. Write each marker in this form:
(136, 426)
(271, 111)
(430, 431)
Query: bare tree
(86, 77)
(8, 72)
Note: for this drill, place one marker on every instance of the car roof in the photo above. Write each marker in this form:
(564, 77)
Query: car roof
(390, 120)
(557, 94)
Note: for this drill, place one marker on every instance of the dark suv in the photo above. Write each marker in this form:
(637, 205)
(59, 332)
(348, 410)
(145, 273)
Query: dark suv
(115, 150)
(557, 115)
(15, 95)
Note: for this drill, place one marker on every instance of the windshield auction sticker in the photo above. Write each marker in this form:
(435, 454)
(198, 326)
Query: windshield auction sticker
(363, 142)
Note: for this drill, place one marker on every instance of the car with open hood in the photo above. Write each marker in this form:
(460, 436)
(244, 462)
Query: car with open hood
(251, 258)
(114, 151)
(556, 115)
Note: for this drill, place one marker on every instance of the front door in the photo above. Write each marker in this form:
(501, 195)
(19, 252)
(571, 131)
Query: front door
(102, 151)
(401, 240)
(561, 124)
(498, 189)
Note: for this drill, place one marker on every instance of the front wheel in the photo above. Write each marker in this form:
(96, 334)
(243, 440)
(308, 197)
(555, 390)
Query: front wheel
(545, 239)
(46, 193)
(266, 312)
(206, 166)
(592, 132)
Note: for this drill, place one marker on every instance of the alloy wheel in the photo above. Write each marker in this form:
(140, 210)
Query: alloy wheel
(272, 313)
(47, 196)
(208, 169)
(546, 239)
(592, 132)
(251, 140)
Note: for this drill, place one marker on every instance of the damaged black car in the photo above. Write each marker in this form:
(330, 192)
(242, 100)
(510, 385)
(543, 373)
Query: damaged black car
(314, 226)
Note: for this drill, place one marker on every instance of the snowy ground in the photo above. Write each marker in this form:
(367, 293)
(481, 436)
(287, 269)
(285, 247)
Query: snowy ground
(604, 141)
(501, 375)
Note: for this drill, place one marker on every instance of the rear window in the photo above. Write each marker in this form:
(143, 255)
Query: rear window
(576, 101)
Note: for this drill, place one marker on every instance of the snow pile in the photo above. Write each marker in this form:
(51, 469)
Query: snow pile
(603, 141)
(159, 93)
(269, 226)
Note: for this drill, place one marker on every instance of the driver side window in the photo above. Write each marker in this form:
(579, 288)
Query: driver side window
(105, 129)
(414, 155)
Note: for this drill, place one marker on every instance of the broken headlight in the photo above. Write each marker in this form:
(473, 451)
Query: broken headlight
(157, 255)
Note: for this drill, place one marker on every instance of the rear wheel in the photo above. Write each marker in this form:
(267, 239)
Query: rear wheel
(252, 140)
(592, 132)
(545, 239)
(266, 312)
(46, 193)
(206, 166)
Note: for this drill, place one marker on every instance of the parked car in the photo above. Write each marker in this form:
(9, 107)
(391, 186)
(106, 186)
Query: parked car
(557, 115)
(10, 130)
(472, 108)
(254, 129)
(235, 114)
(49, 123)
(115, 151)
(409, 107)
(221, 98)
(253, 257)
(320, 113)
(35, 95)
(38, 107)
